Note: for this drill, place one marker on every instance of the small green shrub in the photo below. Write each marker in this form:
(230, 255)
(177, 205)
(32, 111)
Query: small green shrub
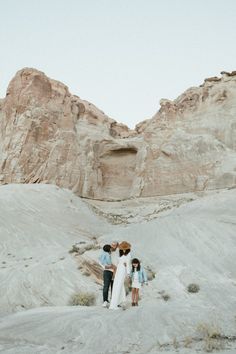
(193, 288)
(82, 299)
(166, 297)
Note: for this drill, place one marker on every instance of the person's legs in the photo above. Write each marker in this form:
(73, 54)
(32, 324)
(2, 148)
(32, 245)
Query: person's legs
(112, 281)
(136, 296)
(133, 296)
(107, 278)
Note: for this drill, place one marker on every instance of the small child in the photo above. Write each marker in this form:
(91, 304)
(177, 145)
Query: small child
(138, 278)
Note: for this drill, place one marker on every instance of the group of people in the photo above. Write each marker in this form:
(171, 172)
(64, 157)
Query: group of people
(116, 270)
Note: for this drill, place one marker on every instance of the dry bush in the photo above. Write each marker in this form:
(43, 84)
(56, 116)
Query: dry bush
(187, 342)
(150, 273)
(82, 299)
(211, 337)
(164, 295)
(83, 247)
(74, 249)
(193, 288)
(175, 343)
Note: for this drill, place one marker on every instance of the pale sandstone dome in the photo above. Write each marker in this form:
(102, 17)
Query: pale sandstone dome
(48, 135)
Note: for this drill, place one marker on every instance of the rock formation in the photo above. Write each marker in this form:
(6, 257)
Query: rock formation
(48, 135)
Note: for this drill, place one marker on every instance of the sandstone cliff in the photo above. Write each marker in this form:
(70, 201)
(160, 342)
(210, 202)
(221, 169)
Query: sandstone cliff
(48, 135)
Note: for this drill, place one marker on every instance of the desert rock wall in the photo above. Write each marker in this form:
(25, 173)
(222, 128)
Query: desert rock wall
(48, 135)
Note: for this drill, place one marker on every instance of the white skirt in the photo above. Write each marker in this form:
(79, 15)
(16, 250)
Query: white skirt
(136, 284)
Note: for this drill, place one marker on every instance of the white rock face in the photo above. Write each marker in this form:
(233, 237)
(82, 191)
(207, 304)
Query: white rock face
(39, 224)
(194, 243)
(48, 135)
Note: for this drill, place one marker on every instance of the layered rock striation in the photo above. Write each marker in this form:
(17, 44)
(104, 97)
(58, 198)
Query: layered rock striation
(48, 135)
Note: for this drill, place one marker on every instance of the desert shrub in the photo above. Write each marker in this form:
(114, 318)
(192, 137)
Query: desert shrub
(150, 274)
(165, 297)
(82, 249)
(175, 343)
(187, 342)
(74, 249)
(193, 288)
(82, 299)
(211, 337)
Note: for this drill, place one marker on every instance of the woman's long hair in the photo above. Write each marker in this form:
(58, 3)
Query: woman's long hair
(135, 261)
(124, 252)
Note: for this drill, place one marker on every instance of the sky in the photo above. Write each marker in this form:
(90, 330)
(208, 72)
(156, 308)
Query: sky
(121, 55)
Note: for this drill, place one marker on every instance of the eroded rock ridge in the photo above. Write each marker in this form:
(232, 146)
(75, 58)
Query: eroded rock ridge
(48, 135)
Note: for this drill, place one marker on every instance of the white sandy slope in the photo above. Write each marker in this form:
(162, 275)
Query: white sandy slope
(194, 243)
(38, 226)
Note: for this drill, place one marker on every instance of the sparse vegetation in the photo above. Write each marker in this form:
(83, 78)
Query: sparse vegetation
(82, 299)
(193, 288)
(164, 295)
(150, 274)
(211, 337)
(175, 343)
(82, 249)
(74, 249)
(187, 342)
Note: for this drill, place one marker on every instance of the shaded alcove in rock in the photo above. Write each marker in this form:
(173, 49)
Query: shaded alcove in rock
(117, 169)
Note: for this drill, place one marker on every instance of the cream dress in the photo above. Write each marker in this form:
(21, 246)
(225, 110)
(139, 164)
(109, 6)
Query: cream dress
(118, 291)
(135, 283)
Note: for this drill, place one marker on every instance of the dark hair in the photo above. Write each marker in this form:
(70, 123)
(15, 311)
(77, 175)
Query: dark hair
(135, 261)
(107, 248)
(124, 252)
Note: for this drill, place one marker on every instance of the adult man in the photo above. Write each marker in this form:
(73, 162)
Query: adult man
(108, 261)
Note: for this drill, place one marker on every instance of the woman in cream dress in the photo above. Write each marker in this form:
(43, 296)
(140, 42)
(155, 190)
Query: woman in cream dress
(122, 271)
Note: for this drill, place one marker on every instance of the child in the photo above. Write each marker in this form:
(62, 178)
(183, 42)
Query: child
(138, 277)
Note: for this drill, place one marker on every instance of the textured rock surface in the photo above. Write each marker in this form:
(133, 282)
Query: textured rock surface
(194, 243)
(48, 135)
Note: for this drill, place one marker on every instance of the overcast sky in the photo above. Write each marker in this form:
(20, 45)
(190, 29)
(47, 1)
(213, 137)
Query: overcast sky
(122, 55)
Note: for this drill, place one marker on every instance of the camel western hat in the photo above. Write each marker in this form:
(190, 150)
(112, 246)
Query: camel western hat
(124, 245)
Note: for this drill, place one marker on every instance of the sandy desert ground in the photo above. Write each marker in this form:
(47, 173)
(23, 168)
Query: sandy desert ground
(191, 241)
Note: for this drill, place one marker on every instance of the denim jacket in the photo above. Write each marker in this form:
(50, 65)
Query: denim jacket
(141, 275)
(105, 259)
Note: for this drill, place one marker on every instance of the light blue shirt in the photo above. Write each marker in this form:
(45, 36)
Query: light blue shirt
(105, 259)
(141, 275)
